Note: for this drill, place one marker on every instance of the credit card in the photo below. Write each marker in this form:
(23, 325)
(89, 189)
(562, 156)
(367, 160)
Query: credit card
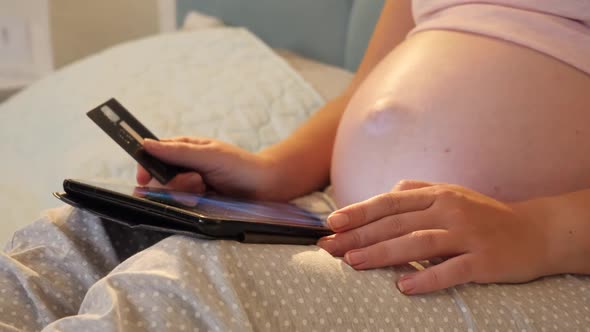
(129, 133)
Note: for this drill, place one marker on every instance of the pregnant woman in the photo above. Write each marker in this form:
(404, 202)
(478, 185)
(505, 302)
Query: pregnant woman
(486, 107)
(464, 139)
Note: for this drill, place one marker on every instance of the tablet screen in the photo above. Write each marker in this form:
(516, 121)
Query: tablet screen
(214, 206)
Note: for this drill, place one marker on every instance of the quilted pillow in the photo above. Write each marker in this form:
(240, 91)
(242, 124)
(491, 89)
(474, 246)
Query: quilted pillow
(222, 83)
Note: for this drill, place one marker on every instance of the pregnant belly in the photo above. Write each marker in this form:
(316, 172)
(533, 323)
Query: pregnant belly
(464, 109)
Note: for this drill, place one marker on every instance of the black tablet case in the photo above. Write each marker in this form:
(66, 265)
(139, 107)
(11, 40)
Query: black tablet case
(141, 219)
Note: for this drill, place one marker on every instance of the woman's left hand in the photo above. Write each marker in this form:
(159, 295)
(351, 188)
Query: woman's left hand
(484, 240)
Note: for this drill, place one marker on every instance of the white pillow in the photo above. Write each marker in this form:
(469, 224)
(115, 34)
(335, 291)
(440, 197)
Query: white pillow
(329, 81)
(222, 83)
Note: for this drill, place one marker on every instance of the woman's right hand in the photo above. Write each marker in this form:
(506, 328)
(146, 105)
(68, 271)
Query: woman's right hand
(222, 167)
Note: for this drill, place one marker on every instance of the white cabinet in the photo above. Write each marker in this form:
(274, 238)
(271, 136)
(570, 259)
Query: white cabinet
(38, 36)
(25, 42)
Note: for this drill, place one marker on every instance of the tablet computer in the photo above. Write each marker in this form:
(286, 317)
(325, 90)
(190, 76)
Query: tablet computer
(206, 215)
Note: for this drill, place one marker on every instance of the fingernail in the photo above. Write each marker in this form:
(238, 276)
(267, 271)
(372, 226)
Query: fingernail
(406, 284)
(328, 245)
(338, 220)
(150, 142)
(355, 257)
(195, 178)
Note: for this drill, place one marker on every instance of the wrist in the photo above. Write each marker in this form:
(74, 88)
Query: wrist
(268, 186)
(288, 175)
(566, 251)
(534, 213)
(275, 172)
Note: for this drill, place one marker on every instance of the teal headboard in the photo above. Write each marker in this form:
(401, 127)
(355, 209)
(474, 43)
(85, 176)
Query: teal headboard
(332, 31)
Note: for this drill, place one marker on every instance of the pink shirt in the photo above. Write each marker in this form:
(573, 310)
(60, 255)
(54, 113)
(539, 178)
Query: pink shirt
(559, 28)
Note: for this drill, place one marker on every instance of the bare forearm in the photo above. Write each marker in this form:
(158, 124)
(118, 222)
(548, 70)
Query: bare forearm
(567, 221)
(303, 160)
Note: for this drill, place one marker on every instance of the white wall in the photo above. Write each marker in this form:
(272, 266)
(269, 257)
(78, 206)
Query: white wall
(80, 28)
(62, 31)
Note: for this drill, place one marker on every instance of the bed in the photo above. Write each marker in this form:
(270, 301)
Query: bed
(179, 84)
(171, 100)
(324, 63)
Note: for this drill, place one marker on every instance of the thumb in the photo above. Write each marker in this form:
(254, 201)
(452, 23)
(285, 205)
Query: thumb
(182, 154)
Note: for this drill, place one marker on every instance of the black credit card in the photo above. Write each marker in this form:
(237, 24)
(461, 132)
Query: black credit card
(129, 133)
